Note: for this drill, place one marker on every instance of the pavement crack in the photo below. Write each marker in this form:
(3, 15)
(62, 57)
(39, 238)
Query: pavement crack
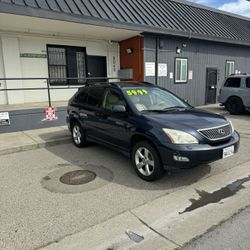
(155, 231)
(26, 134)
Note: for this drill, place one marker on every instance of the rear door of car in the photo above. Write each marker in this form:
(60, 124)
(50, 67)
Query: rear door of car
(89, 107)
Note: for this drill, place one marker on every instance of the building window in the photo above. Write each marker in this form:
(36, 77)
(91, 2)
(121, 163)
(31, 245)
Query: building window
(181, 70)
(230, 68)
(66, 62)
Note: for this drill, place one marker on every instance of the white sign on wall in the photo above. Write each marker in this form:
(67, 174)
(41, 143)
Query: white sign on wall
(190, 75)
(150, 69)
(4, 119)
(162, 69)
(171, 75)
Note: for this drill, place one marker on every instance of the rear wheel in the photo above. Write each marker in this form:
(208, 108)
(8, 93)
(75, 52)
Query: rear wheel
(78, 135)
(235, 105)
(146, 161)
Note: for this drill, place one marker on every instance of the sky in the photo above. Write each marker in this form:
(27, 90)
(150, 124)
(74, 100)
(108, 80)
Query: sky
(241, 7)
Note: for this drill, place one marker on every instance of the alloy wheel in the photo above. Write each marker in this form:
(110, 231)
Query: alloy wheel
(144, 161)
(77, 136)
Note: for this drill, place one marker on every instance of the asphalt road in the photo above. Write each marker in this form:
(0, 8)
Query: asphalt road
(36, 209)
(234, 234)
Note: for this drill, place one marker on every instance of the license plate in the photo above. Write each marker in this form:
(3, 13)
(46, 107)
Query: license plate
(227, 152)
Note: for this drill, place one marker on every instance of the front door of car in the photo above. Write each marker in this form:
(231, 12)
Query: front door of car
(115, 126)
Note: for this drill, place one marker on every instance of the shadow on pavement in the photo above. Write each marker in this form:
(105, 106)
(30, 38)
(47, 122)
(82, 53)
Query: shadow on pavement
(121, 167)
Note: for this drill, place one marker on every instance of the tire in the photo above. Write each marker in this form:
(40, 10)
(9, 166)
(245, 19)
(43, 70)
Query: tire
(235, 106)
(78, 135)
(146, 161)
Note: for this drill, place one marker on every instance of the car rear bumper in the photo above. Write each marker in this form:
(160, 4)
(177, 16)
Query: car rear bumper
(68, 122)
(196, 154)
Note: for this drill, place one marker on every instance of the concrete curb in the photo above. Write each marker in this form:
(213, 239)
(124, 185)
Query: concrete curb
(34, 146)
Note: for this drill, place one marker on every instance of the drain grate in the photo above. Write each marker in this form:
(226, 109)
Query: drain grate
(78, 177)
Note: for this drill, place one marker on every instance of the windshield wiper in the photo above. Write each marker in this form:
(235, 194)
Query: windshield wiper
(166, 109)
(175, 108)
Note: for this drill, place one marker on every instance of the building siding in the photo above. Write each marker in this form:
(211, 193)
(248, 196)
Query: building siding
(201, 55)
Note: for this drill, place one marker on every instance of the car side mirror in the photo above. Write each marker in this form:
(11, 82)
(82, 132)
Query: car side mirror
(118, 109)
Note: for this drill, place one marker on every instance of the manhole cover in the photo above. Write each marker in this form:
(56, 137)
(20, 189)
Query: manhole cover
(77, 177)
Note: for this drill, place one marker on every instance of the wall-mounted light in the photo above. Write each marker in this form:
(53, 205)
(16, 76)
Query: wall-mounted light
(178, 50)
(129, 50)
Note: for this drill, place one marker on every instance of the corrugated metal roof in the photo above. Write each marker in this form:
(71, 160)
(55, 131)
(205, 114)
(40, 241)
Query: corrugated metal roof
(159, 16)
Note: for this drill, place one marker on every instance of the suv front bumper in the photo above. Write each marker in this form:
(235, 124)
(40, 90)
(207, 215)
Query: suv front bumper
(196, 154)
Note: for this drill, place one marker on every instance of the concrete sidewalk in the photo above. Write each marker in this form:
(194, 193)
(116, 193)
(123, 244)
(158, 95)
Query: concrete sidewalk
(161, 223)
(32, 139)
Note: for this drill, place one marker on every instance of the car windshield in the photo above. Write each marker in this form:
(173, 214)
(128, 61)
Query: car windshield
(151, 99)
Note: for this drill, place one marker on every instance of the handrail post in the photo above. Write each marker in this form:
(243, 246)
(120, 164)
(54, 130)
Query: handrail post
(48, 87)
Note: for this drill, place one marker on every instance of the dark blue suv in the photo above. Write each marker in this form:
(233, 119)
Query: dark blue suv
(151, 125)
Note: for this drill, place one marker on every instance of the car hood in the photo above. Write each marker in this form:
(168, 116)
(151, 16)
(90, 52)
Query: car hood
(192, 118)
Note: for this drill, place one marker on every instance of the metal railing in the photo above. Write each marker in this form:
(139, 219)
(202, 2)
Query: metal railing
(54, 83)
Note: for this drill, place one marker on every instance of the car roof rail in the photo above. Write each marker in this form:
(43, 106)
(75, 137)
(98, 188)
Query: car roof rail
(241, 74)
(147, 83)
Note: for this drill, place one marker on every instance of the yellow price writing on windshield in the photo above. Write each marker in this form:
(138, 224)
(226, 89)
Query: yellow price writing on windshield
(137, 92)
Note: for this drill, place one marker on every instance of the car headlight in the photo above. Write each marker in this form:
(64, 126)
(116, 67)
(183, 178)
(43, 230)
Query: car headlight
(231, 124)
(180, 137)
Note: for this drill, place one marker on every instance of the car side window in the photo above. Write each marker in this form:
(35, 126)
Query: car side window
(233, 82)
(248, 82)
(111, 99)
(94, 96)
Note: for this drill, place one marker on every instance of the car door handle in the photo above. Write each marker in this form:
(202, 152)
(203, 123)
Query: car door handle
(99, 114)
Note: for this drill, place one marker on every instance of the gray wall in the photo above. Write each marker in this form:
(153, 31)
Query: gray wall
(201, 55)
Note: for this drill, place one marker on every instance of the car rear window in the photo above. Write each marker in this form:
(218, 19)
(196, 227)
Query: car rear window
(248, 82)
(95, 96)
(233, 82)
(81, 96)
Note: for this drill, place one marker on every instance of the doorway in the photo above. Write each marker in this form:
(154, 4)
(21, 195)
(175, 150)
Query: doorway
(211, 85)
(97, 67)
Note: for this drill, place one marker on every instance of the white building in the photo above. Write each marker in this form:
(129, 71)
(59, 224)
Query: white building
(24, 41)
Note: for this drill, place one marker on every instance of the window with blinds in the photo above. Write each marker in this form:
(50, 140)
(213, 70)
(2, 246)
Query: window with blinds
(230, 68)
(67, 65)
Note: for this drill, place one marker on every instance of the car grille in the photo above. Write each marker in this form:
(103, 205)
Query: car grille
(218, 133)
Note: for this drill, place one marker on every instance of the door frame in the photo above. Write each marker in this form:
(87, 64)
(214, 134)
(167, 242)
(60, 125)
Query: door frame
(206, 83)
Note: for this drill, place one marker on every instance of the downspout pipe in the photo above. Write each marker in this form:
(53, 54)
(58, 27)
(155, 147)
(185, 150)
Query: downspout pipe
(156, 59)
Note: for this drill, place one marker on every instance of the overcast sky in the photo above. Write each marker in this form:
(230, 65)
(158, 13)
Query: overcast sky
(241, 7)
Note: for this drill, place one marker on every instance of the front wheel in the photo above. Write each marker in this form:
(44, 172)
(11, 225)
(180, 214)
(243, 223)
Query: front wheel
(78, 135)
(146, 161)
